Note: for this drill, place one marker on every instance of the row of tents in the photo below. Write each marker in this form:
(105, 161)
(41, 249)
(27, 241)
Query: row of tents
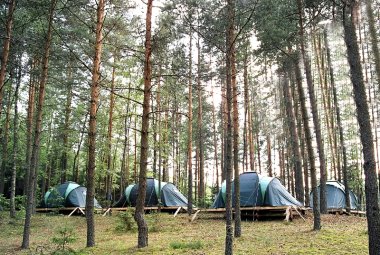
(255, 190)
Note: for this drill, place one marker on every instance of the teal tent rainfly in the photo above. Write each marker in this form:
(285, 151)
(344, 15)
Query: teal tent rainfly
(170, 195)
(68, 194)
(335, 194)
(256, 190)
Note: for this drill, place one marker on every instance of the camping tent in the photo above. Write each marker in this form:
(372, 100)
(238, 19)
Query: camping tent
(68, 194)
(256, 190)
(335, 193)
(170, 195)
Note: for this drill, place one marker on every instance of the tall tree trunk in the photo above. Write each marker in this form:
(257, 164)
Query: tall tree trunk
(325, 101)
(250, 138)
(294, 144)
(37, 130)
(159, 124)
(165, 150)
(155, 134)
(29, 125)
(109, 136)
(269, 153)
(190, 129)
(76, 156)
(314, 111)
(230, 34)
(215, 141)
(201, 194)
(237, 230)
(339, 123)
(95, 84)
(66, 127)
(4, 160)
(6, 47)
(49, 163)
(309, 146)
(298, 121)
(135, 150)
(258, 146)
(363, 117)
(124, 178)
(15, 146)
(374, 38)
(139, 214)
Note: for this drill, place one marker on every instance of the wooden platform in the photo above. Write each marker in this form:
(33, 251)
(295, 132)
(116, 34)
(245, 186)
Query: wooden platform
(261, 212)
(107, 211)
(342, 211)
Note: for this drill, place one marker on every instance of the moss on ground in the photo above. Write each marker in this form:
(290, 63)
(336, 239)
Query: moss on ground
(339, 235)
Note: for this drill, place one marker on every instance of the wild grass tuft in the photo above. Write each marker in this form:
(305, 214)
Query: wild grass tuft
(195, 245)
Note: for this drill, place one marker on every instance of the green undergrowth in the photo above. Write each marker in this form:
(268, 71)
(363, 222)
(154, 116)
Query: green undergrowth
(193, 245)
(169, 235)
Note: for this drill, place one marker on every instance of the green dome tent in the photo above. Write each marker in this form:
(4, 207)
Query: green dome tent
(335, 194)
(256, 190)
(68, 194)
(170, 195)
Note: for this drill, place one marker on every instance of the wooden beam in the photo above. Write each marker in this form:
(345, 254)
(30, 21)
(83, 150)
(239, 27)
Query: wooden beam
(176, 212)
(73, 212)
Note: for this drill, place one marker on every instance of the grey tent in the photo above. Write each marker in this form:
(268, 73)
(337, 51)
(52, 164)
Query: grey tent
(256, 190)
(170, 195)
(335, 193)
(68, 194)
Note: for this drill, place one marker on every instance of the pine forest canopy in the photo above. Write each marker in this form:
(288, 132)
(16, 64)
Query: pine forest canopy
(75, 77)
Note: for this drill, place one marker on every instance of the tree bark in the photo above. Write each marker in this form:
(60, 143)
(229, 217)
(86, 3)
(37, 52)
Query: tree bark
(124, 178)
(190, 130)
(374, 38)
(66, 148)
(215, 142)
(339, 122)
(139, 214)
(246, 110)
(15, 146)
(228, 153)
(29, 126)
(5, 51)
(76, 156)
(201, 194)
(237, 230)
(363, 117)
(109, 136)
(165, 145)
(37, 130)
(309, 146)
(92, 124)
(299, 188)
(325, 102)
(314, 111)
(5, 140)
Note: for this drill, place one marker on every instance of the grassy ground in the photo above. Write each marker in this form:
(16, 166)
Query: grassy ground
(339, 235)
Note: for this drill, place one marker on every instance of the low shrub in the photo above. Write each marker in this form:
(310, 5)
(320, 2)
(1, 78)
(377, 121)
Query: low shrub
(126, 222)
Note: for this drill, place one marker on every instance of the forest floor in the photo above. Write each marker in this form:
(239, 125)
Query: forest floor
(169, 235)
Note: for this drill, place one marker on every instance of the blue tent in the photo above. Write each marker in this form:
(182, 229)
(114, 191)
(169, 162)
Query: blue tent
(170, 195)
(256, 190)
(335, 193)
(68, 194)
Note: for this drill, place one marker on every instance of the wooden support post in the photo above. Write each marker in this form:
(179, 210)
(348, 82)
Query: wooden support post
(288, 213)
(80, 209)
(73, 211)
(176, 212)
(195, 215)
(295, 208)
(106, 212)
